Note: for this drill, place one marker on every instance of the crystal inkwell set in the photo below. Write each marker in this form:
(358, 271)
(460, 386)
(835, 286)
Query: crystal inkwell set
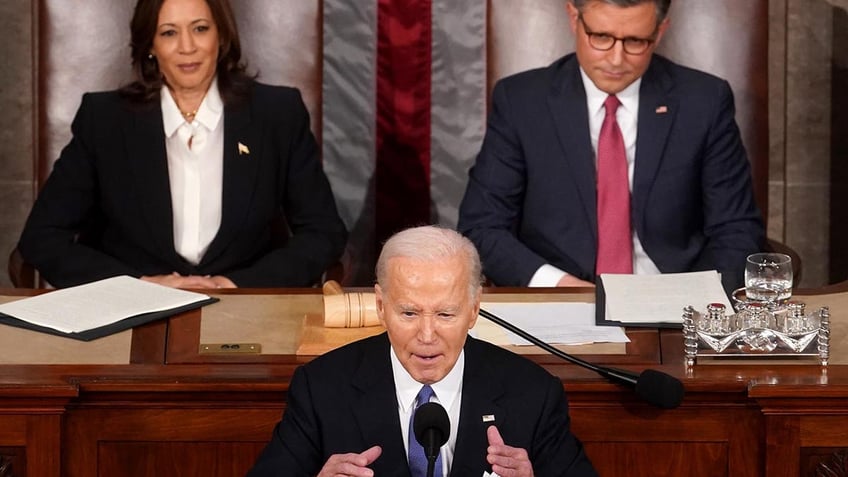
(766, 323)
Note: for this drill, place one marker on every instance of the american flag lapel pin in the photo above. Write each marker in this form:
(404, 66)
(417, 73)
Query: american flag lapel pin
(488, 418)
(661, 109)
(243, 149)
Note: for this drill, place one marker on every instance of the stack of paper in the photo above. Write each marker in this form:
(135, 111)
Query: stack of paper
(656, 300)
(553, 323)
(100, 308)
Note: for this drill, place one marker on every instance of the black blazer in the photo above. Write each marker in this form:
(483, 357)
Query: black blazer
(345, 401)
(531, 196)
(105, 210)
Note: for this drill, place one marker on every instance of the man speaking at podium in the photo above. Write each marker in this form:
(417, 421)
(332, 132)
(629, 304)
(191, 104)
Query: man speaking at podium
(349, 411)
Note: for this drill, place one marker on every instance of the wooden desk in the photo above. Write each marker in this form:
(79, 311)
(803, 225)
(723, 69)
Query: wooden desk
(178, 412)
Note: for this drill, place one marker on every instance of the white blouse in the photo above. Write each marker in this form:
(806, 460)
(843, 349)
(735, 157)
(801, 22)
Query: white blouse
(195, 153)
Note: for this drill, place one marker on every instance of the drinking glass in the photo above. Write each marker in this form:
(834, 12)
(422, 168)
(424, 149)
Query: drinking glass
(768, 277)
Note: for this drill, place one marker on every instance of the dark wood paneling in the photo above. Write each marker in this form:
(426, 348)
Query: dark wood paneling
(215, 439)
(824, 462)
(155, 459)
(702, 459)
(12, 461)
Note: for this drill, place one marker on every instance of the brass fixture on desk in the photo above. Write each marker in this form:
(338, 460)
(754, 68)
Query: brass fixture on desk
(230, 348)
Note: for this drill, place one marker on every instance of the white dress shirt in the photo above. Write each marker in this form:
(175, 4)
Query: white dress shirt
(627, 117)
(447, 392)
(195, 153)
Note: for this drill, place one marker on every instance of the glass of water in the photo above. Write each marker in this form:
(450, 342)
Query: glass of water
(768, 277)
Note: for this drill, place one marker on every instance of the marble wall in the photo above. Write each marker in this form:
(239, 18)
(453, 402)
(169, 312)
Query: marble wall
(808, 56)
(804, 35)
(16, 120)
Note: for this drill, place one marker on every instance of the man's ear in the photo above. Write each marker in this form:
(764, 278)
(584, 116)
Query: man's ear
(573, 15)
(661, 30)
(475, 310)
(378, 299)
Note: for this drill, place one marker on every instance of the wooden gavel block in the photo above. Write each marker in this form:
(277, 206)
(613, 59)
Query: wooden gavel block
(348, 310)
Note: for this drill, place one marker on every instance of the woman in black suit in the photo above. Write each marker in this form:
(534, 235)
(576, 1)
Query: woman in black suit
(182, 176)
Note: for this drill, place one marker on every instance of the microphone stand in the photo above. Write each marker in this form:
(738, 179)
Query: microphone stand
(615, 375)
(657, 388)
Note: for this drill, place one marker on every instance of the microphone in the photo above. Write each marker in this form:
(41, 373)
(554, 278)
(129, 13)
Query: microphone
(432, 429)
(655, 387)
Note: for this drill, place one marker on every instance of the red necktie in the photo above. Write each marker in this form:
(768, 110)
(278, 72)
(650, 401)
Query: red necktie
(615, 245)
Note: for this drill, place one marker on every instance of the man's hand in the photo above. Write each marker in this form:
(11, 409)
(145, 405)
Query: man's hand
(506, 461)
(572, 281)
(351, 464)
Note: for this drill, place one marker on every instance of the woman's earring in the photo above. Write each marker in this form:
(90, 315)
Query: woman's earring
(150, 56)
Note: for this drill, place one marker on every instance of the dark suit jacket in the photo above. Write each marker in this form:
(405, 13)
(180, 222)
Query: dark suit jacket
(345, 401)
(110, 187)
(531, 196)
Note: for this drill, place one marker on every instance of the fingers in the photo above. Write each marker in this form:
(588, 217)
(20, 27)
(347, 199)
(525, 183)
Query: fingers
(494, 436)
(351, 464)
(371, 454)
(571, 281)
(506, 461)
(222, 282)
(196, 281)
(175, 280)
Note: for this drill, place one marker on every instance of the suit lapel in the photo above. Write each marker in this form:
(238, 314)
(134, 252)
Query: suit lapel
(481, 390)
(242, 155)
(145, 139)
(375, 409)
(657, 110)
(567, 103)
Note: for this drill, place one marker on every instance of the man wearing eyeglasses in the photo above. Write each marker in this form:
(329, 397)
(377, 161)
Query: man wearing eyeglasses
(611, 160)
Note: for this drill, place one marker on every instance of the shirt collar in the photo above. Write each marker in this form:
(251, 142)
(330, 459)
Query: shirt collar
(407, 388)
(629, 96)
(208, 114)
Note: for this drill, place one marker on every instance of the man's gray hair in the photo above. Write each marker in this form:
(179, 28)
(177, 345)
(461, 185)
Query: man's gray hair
(431, 243)
(662, 5)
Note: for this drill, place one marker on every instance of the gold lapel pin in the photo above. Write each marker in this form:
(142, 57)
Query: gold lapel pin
(243, 149)
(662, 109)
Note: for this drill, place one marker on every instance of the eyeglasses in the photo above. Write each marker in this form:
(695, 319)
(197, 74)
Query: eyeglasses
(605, 41)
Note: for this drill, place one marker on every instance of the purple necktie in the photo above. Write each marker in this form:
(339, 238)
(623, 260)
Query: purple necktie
(615, 244)
(417, 459)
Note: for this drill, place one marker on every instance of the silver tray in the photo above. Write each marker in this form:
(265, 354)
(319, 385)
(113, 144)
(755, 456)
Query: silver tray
(757, 330)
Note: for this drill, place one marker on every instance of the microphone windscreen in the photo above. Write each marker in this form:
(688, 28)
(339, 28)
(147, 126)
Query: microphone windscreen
(431, 415)
(659, 389)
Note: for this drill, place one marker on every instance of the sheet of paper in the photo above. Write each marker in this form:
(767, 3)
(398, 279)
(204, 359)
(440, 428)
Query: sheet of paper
(97, 304)
(660, 298)
(554, 323)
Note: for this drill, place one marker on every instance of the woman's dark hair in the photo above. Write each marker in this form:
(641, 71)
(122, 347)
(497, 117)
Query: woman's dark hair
(233, 80)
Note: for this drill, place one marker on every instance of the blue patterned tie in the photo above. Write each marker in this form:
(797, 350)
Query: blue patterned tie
(417, 459)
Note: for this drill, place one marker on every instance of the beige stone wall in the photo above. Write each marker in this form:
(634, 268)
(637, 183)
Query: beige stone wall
(801, 89)
(801, 46)
(16, 120)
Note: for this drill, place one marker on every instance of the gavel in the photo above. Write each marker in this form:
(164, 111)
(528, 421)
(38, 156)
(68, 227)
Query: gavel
(348, 310)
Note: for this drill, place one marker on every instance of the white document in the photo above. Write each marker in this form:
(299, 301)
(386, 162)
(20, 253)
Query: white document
(96, 304)
(660, 298)
(553, 323)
